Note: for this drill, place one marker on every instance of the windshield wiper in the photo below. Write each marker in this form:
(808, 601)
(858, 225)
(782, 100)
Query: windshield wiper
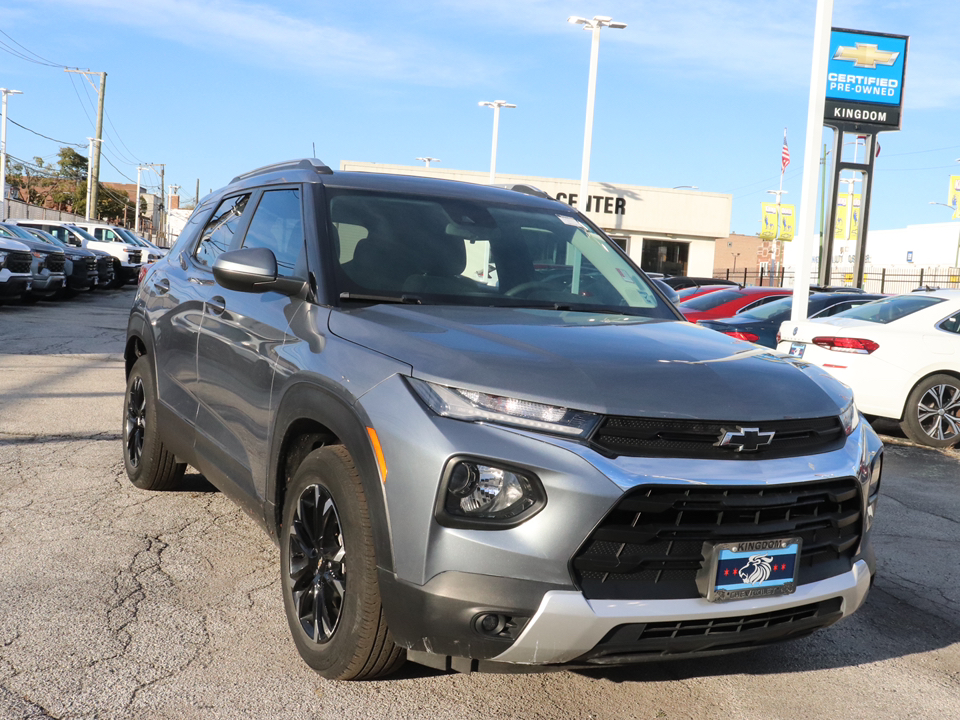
(363, 297)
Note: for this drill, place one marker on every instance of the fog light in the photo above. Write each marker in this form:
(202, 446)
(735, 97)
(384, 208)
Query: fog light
(477, 491)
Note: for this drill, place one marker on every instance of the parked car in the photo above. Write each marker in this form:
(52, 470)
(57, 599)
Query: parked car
(728, 302)
(760, 324)
(488, 476)
(670, 293)
(81, 264)
(154, 249)
(126, 258)
(900, 355)
(47, 267)
(15, 268)
(105, 232)
(680, 282)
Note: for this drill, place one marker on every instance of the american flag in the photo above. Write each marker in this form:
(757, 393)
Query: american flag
(785, 154)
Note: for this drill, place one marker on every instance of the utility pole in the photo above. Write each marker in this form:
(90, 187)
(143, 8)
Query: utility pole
(153, 166)
(163, 207)
(3, 154)
(196, 202)
(94, 162)
(136, 203)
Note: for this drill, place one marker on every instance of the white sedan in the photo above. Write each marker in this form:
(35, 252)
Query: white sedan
(900, 355)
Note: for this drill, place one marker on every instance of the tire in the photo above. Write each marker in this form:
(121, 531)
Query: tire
(117, 281)
(932, 413)
(149, 465)
(329, 571)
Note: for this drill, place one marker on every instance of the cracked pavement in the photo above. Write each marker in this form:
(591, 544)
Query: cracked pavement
(119, 603)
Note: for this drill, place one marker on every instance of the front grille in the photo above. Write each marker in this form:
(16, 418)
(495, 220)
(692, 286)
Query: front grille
(650, 544)
(55, 263)
(134, 257)
(657, 437)
(19, 262)
(640, 641)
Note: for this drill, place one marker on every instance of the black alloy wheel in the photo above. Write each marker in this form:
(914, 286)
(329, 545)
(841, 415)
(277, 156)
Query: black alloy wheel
(316, 566)
(149, 464)
(136, 422)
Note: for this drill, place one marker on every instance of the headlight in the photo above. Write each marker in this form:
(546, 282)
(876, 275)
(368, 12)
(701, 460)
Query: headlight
(484, 494)
(850, 418)
(474, 406)
(3, 256)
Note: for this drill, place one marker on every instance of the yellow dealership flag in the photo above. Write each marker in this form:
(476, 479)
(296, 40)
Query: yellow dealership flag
(840, 226)
(953, 196)
(855, 217)
(788, 222)
(768, 220)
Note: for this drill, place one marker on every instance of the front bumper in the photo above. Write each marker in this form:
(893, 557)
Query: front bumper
(444, 578)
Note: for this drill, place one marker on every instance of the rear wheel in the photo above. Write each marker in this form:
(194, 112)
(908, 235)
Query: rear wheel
(329, 571)
(149, 465)
(932, 413)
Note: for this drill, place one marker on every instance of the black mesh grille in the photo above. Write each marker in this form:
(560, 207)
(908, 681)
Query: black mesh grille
(650, 544)
(656, 437)
(638, 641)
(55, 263)
(134, 257)
(19, 262)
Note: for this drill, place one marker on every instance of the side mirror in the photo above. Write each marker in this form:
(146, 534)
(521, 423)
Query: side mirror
(253, 270)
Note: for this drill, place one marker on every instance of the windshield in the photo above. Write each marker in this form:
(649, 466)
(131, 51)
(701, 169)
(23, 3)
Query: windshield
(81, 233)
(15, 231)
(45, 237)
(437, 250)
(129, 236)
(889, 309)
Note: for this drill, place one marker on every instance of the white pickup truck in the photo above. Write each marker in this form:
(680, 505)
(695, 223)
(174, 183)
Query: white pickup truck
(126, 257)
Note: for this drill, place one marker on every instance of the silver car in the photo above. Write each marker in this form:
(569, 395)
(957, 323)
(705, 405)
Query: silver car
(482, 438)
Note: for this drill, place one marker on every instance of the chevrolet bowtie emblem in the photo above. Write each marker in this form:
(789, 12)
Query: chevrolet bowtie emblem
(865, 55)
(745, 439)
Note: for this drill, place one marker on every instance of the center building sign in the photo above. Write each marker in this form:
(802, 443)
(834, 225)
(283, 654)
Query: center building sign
(667, 230)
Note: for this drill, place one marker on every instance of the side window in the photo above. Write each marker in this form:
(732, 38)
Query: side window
(219, 232)
(951, 324)
(277, 225)
(98, 233)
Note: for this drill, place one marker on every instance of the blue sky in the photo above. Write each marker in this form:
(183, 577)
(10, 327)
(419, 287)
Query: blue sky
(691, 93)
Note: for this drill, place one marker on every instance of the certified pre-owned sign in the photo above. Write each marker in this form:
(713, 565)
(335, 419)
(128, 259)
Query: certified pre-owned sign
(865, 77)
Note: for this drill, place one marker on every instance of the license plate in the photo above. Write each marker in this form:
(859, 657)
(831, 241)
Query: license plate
(749, 569)
(796, 349)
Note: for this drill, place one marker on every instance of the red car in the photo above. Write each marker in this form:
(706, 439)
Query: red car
(697, 290)
(728, 302)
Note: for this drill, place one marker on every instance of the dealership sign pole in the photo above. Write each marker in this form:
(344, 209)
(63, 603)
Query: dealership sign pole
(808, 193)
(864, 96)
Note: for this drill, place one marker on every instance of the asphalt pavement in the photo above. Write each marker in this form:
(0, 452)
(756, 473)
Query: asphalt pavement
(120, 603)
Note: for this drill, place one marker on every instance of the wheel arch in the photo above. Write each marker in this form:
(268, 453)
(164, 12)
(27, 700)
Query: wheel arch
(309, 417)
(138, 343)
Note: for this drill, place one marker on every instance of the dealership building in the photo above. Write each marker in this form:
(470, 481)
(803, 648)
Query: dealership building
(668, 230)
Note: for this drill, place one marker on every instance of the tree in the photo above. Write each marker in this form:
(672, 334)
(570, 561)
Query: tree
(73, 165)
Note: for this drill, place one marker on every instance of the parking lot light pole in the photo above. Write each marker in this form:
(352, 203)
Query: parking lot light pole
(3, 153)
(598, 22)
(427, 160)
(496, 105)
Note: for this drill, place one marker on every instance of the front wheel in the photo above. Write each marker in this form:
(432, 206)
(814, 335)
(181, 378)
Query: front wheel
(329, 571)
(932, 413)
(149, 465)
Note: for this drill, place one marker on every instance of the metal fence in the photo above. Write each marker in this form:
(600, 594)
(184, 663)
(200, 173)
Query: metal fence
(19, 210)
(876, 280)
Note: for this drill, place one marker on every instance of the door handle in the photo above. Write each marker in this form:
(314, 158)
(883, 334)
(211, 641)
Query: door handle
(162, 286)
(216, 305)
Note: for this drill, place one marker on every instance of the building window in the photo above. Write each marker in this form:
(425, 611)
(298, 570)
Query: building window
(664, 256)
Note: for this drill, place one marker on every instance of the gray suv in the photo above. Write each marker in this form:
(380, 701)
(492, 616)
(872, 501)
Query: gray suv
(482, 438)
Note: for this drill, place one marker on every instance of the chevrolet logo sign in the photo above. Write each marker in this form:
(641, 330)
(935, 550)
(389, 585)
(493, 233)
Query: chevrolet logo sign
(744, 439)
(865, 55)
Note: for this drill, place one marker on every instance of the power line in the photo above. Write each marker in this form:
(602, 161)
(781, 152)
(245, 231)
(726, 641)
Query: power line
(49, 63)
(79, 99)
(62, 142)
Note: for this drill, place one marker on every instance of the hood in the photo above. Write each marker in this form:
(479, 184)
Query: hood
(610, 364)
(13, 245)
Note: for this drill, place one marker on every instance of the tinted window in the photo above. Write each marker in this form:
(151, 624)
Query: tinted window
(951, 324)
(710, 300)
(890, 309)
(218, 234)
(459, 251)
(277, 225)
(776, 310)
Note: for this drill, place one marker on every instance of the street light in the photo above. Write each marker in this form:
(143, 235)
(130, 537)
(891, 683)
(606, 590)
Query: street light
(599, 21)
(3, 153)
(427, 160)
(496, 105)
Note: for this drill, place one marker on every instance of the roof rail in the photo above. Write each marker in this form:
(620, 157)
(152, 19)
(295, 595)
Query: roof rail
(525, 189)
(306, 164)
